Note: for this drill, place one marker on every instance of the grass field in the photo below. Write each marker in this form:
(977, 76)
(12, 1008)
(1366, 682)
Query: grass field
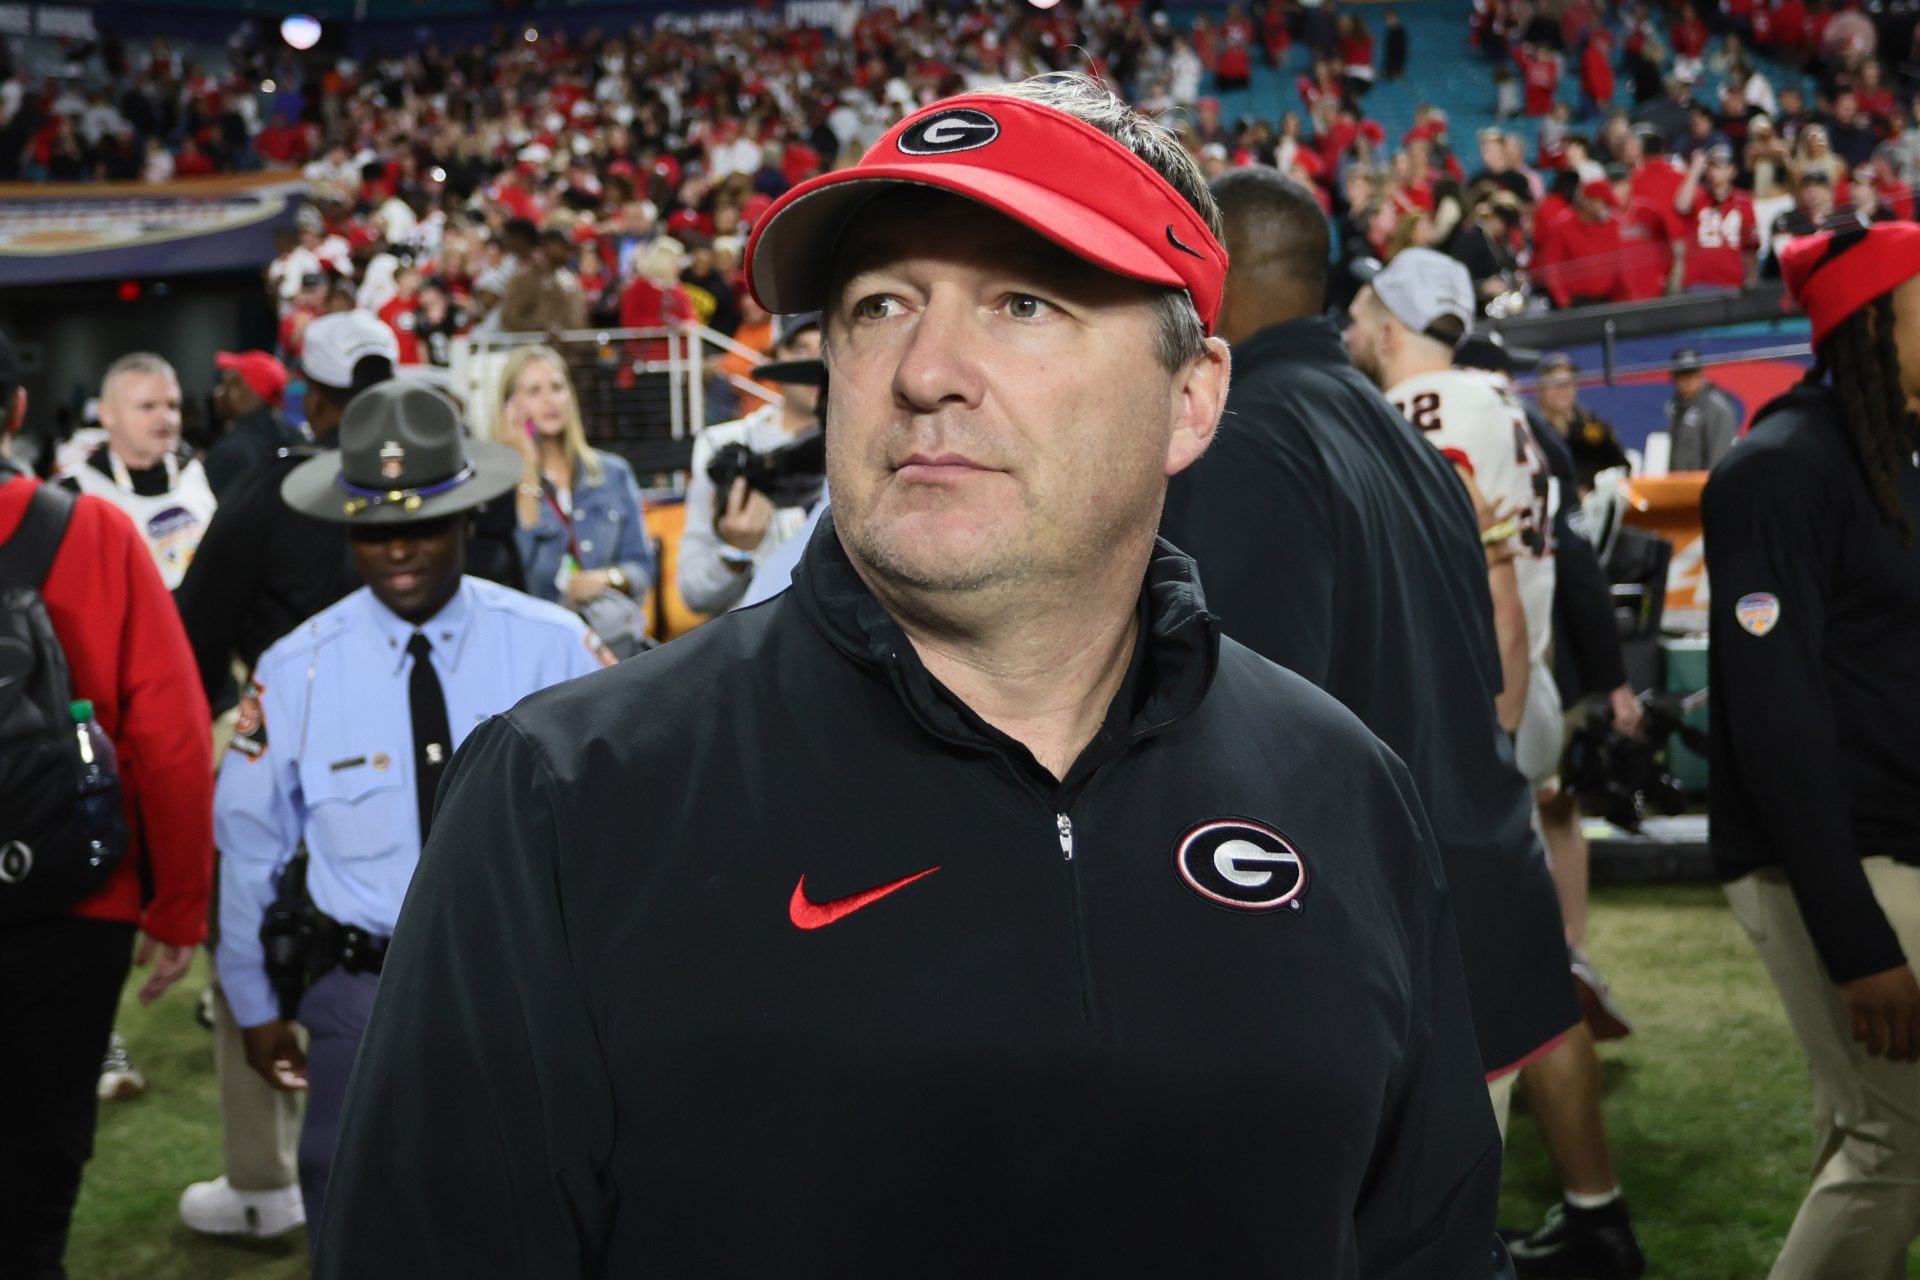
(1707, 1103)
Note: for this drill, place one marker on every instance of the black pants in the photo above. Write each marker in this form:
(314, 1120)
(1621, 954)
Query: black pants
(60, 983)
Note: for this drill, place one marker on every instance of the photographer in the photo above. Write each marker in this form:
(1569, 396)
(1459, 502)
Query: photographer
(729, 534)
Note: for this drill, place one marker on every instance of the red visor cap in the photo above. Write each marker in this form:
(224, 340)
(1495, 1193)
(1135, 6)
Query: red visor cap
(1832, 275)
(1059, 176)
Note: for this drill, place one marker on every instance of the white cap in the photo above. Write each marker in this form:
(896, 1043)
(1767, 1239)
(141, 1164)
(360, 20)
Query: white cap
(1420, 286)
(334, 343)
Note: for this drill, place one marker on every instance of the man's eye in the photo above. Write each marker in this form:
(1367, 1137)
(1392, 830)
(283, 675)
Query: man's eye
(873, 307)
(1024, 306)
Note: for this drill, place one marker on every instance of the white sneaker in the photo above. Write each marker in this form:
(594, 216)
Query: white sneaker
(216, 1209)
(119, 1078)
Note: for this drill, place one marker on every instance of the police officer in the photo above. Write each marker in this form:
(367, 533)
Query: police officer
(352, 717)
(1815, 805)
(982, 883)
(1702, 422)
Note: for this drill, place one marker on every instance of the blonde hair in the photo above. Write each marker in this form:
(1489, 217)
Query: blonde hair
(579, 452)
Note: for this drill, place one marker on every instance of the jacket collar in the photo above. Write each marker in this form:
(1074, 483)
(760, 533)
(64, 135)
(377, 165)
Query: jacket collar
(1178, 647)
(446, 630)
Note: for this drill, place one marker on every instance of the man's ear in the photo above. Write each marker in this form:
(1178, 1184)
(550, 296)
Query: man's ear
(1200, 397)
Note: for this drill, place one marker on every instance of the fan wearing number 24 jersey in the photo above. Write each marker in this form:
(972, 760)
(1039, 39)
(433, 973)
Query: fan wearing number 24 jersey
(1477, 424)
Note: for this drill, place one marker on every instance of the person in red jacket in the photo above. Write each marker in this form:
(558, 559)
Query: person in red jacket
(1540, 71)
(127, 652)
(1582, 266)
(1689, 34)
(1596, 74)
(1646, 240)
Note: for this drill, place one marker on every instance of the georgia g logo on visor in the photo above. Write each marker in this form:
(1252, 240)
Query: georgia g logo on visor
(1242, 865)
(961, 129)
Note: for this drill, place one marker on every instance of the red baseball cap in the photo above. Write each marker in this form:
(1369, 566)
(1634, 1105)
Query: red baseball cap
(1835, 273)
(259, 370)
(1054, 174)
(1597, 189)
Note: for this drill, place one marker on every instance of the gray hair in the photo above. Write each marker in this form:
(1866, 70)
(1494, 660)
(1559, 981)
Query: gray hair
(1179, 336)
(137, 362)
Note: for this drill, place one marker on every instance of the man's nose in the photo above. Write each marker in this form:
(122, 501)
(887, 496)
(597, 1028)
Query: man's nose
(937, 364)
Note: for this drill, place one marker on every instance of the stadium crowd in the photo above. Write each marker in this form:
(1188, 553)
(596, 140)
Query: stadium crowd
(417, 163)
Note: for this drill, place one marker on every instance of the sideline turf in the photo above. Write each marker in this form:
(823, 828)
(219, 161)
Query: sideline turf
(1707, 1106)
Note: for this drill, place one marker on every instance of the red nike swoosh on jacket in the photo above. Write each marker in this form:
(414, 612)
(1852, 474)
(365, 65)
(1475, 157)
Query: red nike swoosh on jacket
(814, 915)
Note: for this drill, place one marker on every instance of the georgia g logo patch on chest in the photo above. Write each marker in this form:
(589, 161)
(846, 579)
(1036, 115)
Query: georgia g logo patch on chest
(1241, 865)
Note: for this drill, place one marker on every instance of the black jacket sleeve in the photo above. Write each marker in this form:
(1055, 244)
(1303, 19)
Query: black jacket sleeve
(1256, 514)
(1433, 1188)
(223, 580)
(480, 1108)
(1587, 657)
(1774, 527)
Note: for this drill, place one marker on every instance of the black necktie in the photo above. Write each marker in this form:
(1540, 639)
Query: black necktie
(432, 741)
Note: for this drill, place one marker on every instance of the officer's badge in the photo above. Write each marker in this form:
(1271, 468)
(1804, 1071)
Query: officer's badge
(380, 762)
(393, 460)
(250, 725)
(1758, 613)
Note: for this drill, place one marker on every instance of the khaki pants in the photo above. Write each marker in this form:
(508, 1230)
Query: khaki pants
(1500, 1093)
(1863, 1208)
(259, 1125)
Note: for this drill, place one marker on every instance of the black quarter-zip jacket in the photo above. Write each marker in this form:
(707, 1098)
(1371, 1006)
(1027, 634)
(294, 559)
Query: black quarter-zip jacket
(605, 1045)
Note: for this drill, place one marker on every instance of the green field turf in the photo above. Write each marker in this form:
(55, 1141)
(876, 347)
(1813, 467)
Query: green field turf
(1707, 1103)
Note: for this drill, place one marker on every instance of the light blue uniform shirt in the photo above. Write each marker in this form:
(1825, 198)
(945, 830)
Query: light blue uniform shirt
(775, 573)
(323, 754)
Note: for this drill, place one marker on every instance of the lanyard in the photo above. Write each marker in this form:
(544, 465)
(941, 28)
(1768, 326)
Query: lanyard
(566, 522)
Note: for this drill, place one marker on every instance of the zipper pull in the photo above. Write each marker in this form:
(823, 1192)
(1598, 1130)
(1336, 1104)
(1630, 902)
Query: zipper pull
(1065, 824)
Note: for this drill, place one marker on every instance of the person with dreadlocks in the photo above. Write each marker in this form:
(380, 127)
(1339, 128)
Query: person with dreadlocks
(1815, 671)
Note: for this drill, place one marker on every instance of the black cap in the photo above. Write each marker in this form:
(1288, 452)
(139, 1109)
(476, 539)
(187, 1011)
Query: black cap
(1557, 362)
(791, 325)
(1720, 153)
(1687, 360)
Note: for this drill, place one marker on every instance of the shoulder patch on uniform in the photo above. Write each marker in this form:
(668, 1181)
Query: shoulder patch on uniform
(250, 725)
(1758, 613)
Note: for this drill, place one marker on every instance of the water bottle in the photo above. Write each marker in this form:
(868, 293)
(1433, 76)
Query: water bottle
(103, 823)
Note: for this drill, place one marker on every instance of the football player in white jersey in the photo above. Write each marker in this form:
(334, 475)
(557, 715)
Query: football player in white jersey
(1405, 325)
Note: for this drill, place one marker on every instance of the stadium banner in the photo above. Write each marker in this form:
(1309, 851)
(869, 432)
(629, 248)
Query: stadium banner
(54, 233)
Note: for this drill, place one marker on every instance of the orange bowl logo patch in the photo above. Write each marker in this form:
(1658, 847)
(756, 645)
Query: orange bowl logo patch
(1758, 613)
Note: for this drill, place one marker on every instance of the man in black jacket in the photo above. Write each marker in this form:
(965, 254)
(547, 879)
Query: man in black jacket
(991, 913)
(1338, 543)
(1815, 623)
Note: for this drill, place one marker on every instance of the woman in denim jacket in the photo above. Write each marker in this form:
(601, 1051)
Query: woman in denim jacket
(581, 535)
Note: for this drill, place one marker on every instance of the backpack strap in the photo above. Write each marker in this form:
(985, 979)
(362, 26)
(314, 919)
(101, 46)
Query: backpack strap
(27, 557)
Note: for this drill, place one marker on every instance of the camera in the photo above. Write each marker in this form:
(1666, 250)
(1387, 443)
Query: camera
(792, 475)
(1618, 776)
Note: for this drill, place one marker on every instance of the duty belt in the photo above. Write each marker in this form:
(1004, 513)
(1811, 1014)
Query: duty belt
(346, 946)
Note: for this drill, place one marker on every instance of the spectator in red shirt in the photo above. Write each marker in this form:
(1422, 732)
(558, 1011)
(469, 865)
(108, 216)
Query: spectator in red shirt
(1596, 74)
(1790, 33)
(1646, 238)
(1718, 248)
(1892, 191)
(1689, 35)
(192, 162)
(1579, 264)
(1540, 73)
(655, 298)
(127, 653)
(401, 313)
